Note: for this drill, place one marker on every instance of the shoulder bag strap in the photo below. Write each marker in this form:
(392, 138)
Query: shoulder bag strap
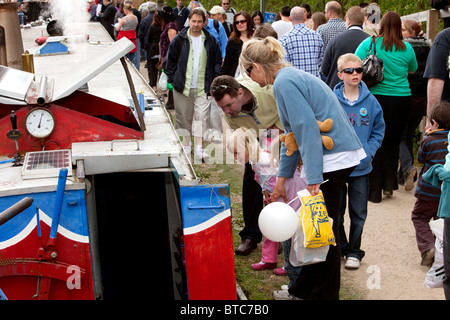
(372, 44)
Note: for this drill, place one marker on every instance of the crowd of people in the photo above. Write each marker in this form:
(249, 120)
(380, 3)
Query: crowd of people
(267, 80)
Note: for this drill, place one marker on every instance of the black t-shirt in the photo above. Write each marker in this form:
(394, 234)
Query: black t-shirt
(438, 61)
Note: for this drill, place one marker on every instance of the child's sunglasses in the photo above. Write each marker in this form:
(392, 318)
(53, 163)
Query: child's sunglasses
(350, 70)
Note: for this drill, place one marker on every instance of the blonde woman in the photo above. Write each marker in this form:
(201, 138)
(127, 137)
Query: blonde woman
(302, 99)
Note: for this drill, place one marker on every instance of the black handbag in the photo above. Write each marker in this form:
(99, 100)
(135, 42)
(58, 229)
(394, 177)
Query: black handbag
(373, 67)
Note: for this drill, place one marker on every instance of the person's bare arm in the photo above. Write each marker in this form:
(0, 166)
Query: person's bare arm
(434, 93)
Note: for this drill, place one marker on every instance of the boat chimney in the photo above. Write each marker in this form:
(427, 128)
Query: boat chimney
(12, 35)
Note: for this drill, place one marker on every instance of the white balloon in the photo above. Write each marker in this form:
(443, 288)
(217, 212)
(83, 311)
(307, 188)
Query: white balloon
(278, 221)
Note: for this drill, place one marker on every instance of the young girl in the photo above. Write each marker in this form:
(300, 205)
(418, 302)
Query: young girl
(245, 147)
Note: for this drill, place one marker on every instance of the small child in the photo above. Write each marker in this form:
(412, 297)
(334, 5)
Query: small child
(439, 173)
(366, 116)
(433, 150)
(245, 147)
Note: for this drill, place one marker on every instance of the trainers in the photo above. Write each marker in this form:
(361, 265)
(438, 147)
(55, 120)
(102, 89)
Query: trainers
(284, 287)
(279, 271)
(200, 155)
(217, 138)
(207, 135)
(428, 258)
(409, 182)
(283, 295)
(352, 263)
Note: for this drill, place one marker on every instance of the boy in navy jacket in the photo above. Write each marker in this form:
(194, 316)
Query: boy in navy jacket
(366, 116)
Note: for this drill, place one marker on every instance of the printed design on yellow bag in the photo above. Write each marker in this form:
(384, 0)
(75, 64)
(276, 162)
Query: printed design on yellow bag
(314, 220)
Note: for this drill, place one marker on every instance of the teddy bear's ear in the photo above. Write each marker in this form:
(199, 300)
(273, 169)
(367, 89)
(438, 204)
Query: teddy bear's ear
(325, 126)
(282, 138)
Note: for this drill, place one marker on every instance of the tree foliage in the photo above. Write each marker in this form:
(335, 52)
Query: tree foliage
(402, 7)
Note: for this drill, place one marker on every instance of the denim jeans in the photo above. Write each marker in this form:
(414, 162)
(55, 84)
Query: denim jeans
(291, 271)
(357, 189)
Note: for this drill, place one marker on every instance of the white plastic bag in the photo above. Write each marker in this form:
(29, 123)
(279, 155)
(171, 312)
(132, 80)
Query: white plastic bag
(436, 274)
(162, 82)
(301, 256)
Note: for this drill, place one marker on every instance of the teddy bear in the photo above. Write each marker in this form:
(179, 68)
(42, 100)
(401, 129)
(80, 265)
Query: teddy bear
(291, 143)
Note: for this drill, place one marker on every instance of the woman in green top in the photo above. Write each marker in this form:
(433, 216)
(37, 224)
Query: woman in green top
(394, 96)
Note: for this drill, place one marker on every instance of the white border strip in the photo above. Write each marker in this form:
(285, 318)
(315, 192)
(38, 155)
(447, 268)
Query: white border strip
(32, 224)
(209, 223)
(20, 236)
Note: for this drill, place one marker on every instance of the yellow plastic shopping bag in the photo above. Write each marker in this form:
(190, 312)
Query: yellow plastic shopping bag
(314, 220)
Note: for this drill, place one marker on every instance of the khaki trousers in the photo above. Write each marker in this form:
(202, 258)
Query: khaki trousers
(191, 113)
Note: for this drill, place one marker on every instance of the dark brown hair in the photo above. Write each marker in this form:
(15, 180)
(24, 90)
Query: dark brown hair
(231, 84)
(199, 11)
(236, 34)
(441, 114)
(391, 31)
(157, 20)
(413, 26)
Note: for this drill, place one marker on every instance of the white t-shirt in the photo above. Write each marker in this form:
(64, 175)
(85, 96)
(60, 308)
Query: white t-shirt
(341, 160)
(197, 46)
(281, 27)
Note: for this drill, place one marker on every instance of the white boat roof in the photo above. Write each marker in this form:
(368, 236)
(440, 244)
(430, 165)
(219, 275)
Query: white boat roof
(96, 61)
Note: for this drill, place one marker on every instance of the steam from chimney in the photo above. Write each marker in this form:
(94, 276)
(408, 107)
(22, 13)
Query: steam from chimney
(71, 14)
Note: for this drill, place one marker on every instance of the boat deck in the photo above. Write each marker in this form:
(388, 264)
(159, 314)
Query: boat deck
(96, 62)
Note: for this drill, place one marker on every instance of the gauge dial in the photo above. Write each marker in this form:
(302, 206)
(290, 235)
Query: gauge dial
(40, 122)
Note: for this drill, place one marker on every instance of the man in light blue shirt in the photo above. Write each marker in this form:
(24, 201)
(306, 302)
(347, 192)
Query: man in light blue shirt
(221, 35)
(304, 46)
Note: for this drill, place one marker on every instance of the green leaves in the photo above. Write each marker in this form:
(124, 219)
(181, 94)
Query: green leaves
(402, 7)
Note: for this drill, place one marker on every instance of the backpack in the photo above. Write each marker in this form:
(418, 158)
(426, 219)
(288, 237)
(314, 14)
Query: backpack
(216, 25)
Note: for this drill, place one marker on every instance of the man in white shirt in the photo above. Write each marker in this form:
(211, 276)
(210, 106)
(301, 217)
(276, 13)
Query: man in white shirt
(284, 25)
(193, 61)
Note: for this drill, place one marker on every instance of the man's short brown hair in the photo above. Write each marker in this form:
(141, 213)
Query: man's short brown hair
(223, 85)
(198, 11)
(356, 15)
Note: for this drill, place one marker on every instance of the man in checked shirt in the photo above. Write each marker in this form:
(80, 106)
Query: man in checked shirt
(335, 24)
(304, 47)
